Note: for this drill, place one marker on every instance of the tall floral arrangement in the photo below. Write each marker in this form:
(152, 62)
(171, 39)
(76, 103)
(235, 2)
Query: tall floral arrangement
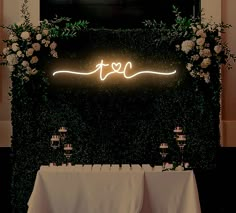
(204, 50)
(27, 43)
(199, 44)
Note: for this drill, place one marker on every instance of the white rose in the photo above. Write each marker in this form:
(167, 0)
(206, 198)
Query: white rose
(189, 66)
(19, 53)
(29, 52)
(187, 45)
(194, 29)
(177, 47)
(199, 26)
(54, 54)
(205, 63)
(43, 41)
(25, 78)
(15, 47)
(218, 49)
(38, 37)
(195, 57)
(12, 59)
(28, 69)
(201, 33)
(36, 46)
(25, 63)
(33, 71)
(53, 45)
(201, 73)
(5, 51)
(206, 77)
(193, 74)
(13, 38)
(34, 60)
(205, 53)
(200, 41)
(25, 35)
(45, 32)
(47, 42)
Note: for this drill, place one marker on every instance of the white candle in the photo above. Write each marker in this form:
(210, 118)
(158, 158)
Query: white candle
(163, 146)
(181, 138)
(68, 147)
(55, 138)
(178, 129)
(62, 129)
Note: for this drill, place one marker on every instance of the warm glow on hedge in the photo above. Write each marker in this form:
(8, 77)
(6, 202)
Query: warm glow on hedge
(115, 68)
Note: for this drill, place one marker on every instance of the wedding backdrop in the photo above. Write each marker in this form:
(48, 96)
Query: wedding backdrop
(118, 122)
(112, 119)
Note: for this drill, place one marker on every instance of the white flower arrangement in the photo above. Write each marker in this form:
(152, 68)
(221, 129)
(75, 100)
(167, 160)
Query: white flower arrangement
(203, 48)
(23, 48)
(21, 53)
(198, 43)
(26, 43)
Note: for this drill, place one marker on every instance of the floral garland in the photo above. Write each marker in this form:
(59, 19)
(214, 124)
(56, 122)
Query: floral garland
(27, 43)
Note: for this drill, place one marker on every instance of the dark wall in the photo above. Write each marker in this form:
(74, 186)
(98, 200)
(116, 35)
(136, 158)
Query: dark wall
(5, 179)
(118, 13)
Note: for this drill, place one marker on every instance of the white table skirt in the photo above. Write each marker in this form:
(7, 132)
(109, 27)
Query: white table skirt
(170, 192)
(77, 189)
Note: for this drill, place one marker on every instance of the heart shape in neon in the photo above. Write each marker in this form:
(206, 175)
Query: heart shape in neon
(116, 67)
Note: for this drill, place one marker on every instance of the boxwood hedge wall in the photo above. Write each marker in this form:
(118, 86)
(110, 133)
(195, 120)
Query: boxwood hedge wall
(113, 121)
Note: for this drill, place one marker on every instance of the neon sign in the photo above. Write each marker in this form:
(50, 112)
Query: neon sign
(115, 68)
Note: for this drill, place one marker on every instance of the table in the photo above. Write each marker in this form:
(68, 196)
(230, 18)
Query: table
(105, 189)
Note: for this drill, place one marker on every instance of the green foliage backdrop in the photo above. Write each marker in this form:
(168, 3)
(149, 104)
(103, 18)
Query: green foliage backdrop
(122, 122)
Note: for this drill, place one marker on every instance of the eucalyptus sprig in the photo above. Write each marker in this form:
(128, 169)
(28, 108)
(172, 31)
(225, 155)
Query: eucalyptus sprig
(62, 27)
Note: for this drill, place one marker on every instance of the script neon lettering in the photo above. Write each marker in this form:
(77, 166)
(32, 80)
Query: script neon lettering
(115, 68)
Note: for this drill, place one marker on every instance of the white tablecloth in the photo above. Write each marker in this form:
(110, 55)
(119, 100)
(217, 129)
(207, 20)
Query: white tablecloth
(77, 189)
(170, 192)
